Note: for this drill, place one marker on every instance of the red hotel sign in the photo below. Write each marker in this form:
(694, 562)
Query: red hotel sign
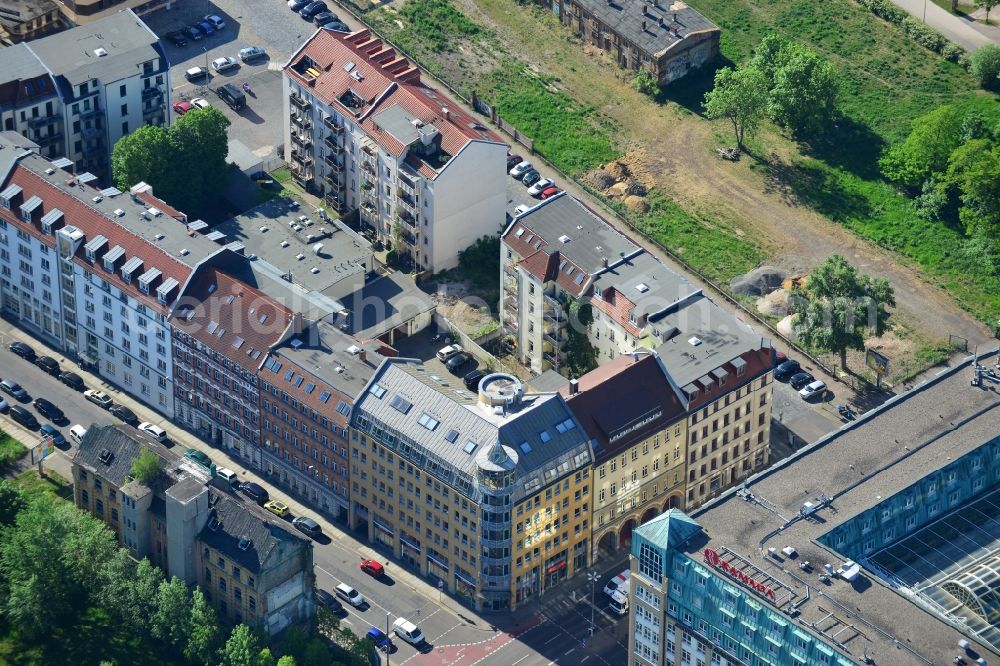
(713, 560)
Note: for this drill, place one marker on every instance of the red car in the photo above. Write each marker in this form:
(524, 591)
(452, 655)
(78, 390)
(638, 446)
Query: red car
(550, 191)
(180, 108)
(372, 568)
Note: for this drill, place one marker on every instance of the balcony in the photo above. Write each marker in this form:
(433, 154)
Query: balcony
(554, 341)
(552, 302)
(90, 113)
(301, 158)
(334, 163)
(48, 139)
(303, 140)
(300, 102)
(150, 93)
(510, 286)
(335, 128)
(551, 359)
(333, 200)
(301, 176)
(333, 144)
(47, 119)
(334, 181)
(509, 269)
(368, 167)
(407, 218)
(369, 208)
(368, 150)
(302, 121)
(405, 199)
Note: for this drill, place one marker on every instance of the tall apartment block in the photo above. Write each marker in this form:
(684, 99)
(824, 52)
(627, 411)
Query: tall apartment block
(252, 566)
(78, 92)
(488, 492)
(366, 133)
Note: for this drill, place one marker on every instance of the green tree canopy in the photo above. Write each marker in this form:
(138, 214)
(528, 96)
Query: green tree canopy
(841, 306)
(801, 86)
(974, 171)
(171, 623)
(12, 501)
(984, 63)
(740, 96)
(146, 466)
(242, 648)
(926, 150)
(206, 635)
(129, 591)
(286, 660)
(185, 164)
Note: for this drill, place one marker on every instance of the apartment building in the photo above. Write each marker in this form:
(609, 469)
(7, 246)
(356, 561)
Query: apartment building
(222, 332)
(93, 272)
(668, 39)
(638, 429)
(23, 20)
(365, 132)
(78, 92)
(308, 386)
(486, 493)
(252, 567)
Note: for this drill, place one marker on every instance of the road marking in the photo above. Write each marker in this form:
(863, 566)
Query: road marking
(448, 632)
(519, 660)
(550, 640)
(585, 659)
(568, 651)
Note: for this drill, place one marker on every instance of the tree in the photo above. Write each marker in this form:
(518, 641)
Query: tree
(987, 5)
(579, 357)
(146, 466)
(206, 634)
(286, 660)
(841, 305)
(327, 623)
(926, 150)
(645, 84)
(741, 96)
(768, 57)
(974, 171)
(265, 658)
(985, 65)
(316, 654)
(129, 591)
(185, 164)
(803, 98)
(294, 643)
(242, 648)
(171, 623)
(12, 502)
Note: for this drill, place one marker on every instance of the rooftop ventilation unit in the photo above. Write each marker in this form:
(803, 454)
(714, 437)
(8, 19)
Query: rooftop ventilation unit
(98, 199)
(694, 341)
(100, 52)
(263, 229)
(357, 75)
(317, 248)
(244, 543)
(314, 270)
(564, 238)
(300, 256)
(284, 243)
(160, 236)
(119, 212)
(50, 171)
(295, 343)
(185, 252)
(105, 456)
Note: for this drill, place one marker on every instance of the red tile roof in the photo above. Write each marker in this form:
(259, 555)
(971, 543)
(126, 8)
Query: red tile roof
(93, 223)
(759, 362)
(615, 305)
(387, 79)
(231, 317)
(539, 262)
(163, 207)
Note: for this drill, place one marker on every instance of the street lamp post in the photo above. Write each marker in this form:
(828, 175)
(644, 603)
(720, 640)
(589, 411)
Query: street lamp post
(593, 577)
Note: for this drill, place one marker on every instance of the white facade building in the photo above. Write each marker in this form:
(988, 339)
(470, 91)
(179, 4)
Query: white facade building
(366, 133)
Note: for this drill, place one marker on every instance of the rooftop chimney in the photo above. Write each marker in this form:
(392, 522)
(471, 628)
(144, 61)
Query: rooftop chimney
(604, 261)
(574, 386)
(445, 112)
(644, 26)
(297, 323)
(362, 355)
(645, 9)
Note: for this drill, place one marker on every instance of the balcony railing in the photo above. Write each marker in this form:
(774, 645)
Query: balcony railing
(47, 119)
(369, 208)
(510, 286)
(303, 121)
(333, 144)
(303, 140)
(368, 167)
(334, 201)
(407, 218)
(333, 180)
(368, 150)
(90, 113)
(150, 93)
(334, 163)
(510, 270)
(552, 302)
(300, 102)
(301, 176)
(552, 359)
(301, 158)
(334, 127)
(405, 198)
(554, 340)
(48, 139)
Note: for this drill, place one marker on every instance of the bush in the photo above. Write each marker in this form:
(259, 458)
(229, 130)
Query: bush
(645, 84)
(985, 66)
(916, 30)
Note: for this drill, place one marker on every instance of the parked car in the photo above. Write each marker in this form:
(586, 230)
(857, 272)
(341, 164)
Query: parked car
(23, 350)
(338, 26)
(22, 416)
(513, 161)
(307, 526)
(154, 431)
(277, 508)
(224, 64)
(379, 639)
(49, 430)
(206, 28)
(472, 379)
(540, 186)
(252, 53)
(216, 21)
(818, 387)
(457, 362)
(297, 5)
(446, 353)
(4, 406)
(200, 103)
(800, 379)
(48, 410)
(198, 456)
(254, 491)
(785, 371)
(124, 413)
(228, 475)
(550, 192)
(313, 8)
(177, 38)
(408, 631)
(329, 600)
(72, 380)
(520, 169)
(76, 433)
(181, 107)
(232, 96)
(324, 17)
(531, 177)
(48, 364)
(350, 595)
(194, 33)
(372, 568)
(99, 398)
(195, 73)
(10, 387)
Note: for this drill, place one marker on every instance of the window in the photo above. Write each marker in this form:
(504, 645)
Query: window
(124, 110)
(121, 90)
(650, 563)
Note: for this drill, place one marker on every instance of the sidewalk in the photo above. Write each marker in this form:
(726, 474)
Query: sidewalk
(961, 31)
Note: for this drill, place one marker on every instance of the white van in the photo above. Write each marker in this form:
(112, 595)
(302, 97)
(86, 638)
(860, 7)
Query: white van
(619, 581)
(408, 631)
(227, 475)
(619, 600)
(77, 433)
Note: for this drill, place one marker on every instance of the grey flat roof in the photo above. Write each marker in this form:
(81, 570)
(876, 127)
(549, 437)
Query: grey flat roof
(446, 400)
(345, 255)
(589, 238)
(383, 304)
(626, 18)
(398, 122)
(857, 466)
(324, 352)
(721, 337)
(549, 381)
(19, 62)
(646, 282)
(73, 53)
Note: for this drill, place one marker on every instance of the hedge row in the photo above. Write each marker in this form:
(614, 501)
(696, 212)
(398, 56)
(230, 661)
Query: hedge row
(916, 30)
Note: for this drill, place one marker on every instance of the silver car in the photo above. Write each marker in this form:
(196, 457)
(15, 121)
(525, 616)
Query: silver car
(252, 53)
(224, 64)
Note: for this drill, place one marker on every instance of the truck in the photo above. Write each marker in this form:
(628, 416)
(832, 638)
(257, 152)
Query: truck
(618, 581)
(619, 600)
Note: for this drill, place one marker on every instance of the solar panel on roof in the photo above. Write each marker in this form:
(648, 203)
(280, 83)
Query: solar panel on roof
(451, 436)
(400, 404)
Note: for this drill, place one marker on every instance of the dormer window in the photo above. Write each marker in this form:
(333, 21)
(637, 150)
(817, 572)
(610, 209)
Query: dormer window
(93, 247)
(29, 207)
(8, 195)
(131, 266)
(112, 257)
(51, 219)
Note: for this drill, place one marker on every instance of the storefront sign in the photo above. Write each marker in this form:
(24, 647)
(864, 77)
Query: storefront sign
(716, 562)
(556, 567)
(635, 425)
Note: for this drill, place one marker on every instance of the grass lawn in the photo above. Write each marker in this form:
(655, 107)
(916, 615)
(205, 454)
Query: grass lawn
(52, 485)
(11, 450)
